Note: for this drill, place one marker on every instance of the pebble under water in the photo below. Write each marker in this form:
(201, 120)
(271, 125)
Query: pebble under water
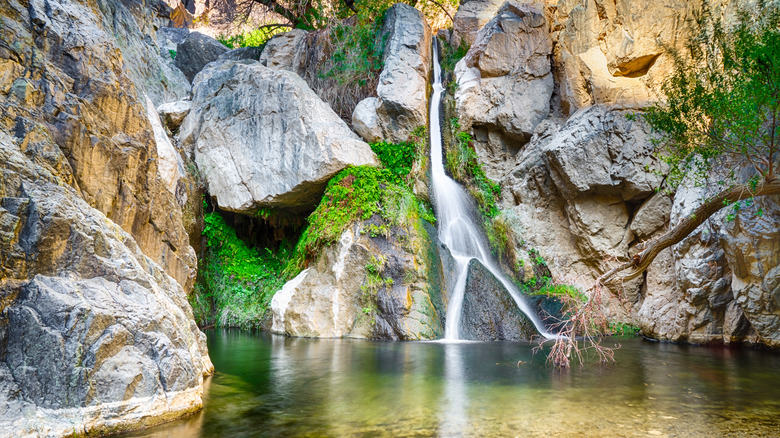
(269, 385)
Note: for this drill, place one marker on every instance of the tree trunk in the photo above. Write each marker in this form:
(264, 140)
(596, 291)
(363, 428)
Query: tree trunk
(639, 263)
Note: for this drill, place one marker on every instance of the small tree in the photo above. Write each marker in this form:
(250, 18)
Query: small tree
(722, 110)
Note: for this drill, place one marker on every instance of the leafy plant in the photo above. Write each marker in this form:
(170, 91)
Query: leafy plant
(237, 281)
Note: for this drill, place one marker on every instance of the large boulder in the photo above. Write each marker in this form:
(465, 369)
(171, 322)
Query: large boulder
(263, 139)
(399, 297)
(505, 81)
(195, 51)
(489, 311)
(401, 104)
(95, 337)
(689, 296)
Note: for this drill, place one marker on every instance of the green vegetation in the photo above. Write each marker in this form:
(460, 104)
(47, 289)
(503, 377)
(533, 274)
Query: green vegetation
(723, 99)
(357, 58)
(172, 53)
(721, 115)
(397, 158)
(354, 194)
(236, 280)
(622, 329)
(253, 38)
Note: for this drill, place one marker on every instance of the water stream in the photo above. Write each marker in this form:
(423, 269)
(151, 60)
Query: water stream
(457, 227)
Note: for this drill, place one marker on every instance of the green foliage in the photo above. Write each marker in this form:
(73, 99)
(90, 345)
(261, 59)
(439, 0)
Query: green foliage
(172, 53)
(253, 38)
(722, 99)
(354, 194)
(238, 280)
(622, 329)
(561, 290)
(463, 164)
(358, 52)
(397, 158)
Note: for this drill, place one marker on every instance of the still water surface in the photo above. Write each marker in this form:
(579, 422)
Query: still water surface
(268, 385)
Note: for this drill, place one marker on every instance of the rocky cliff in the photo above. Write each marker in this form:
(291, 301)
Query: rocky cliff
(580, 176)
(96, 334)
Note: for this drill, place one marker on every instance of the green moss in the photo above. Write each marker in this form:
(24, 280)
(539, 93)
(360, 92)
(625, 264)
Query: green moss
(236, 281)
(355, 194)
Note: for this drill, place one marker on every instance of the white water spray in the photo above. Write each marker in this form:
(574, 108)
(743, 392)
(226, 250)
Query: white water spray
(456, 226)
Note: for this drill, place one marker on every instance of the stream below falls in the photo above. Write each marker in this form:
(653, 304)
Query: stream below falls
(270, 385)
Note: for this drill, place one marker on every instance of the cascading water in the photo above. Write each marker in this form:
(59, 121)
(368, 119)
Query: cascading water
(456, 226)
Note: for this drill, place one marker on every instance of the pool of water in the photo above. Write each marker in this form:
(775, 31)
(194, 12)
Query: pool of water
(268, 385)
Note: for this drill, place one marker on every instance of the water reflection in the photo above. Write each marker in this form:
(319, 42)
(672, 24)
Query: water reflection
(275, 386)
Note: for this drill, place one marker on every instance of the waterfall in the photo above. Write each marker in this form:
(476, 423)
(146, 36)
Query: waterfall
(456, 226)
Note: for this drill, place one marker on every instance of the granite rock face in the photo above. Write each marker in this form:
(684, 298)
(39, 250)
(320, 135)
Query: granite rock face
(471, 16)
(262, 138)
(75, 94)
(338, 297)
(401, 104)
(95, 337)
(286, 51)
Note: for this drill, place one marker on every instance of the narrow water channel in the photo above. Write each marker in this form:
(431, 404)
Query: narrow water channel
(268, 385)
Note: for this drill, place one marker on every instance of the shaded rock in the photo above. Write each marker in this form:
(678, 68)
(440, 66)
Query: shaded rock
(402, 92)
(173, 113)
(471, 16)
(195, 51)
(505, 81)
(489, 311)
(241, 53)
(262, 138)
(337, 296)
(95, 337)
(689, 294)
(286, 51)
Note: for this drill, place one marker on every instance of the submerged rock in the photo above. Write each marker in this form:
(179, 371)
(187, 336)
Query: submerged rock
(367, 287)
(262, 138)
(401, 104)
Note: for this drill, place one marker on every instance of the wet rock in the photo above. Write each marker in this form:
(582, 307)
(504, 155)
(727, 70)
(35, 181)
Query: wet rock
(402, 92)
(489, 311)
(195, 51)
(262, 138)
(338, 296)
